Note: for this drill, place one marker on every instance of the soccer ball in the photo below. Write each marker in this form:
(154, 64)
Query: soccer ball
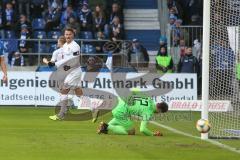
(203, 126)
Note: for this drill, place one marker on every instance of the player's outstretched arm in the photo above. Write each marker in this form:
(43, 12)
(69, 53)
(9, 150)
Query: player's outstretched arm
(145, 130)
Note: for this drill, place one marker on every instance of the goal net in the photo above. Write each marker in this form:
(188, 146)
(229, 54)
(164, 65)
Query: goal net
(224, 81)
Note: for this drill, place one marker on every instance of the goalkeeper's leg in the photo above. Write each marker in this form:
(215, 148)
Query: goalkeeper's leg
(121, 127)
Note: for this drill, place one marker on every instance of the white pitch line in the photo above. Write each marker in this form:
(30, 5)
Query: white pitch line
(224, 146)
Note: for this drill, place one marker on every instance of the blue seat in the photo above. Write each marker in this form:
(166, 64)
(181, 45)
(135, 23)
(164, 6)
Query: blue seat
(39, 35)
(40, 48)
(86, 35)
(141, 4)
(52, 47)
(38, 24)
(10, 45)
(9, 34)
(88, 49)
(54, 34)
(45, 69)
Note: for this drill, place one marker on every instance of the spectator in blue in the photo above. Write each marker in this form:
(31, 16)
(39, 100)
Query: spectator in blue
(65, 4)
(85, 18)
(69, 12)
(17, 59)
(224, 55)
(163, 41)
(172, 20)
(37, 7)
(188, 63)
(24, 36)
(225, 64)
(23, 21)
(173, 12)
(9, 17)
(177, 32)
(1, 24)
(3, 64)
(52, 17)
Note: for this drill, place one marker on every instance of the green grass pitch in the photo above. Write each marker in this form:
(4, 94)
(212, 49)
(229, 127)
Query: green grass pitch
(28, 134)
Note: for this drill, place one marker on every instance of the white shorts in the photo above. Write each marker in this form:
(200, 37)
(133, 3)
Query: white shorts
(73, 79)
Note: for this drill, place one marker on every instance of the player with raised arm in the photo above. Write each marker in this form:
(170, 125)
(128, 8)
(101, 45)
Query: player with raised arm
(71, 50)
(2, 62)
(57, 54)
(136, 105)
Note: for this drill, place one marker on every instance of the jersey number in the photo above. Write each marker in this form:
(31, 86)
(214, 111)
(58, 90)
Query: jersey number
(141, 100)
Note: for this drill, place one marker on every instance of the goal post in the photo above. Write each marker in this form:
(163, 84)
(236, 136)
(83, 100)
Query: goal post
(205, 62)
(221, 66)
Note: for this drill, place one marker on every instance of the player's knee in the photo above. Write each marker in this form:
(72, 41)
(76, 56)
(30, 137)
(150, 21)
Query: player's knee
(141, 130)
(78, 92)
(131, 131)
(64, 91)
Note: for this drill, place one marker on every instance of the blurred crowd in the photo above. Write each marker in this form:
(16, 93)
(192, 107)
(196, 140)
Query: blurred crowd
(46, 19)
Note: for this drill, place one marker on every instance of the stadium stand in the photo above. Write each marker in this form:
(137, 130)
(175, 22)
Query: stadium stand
(38, 24)
(142, 22)
(141, 4)
(139, 19)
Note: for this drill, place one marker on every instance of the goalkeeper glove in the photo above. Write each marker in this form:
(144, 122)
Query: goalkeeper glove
(157, 133)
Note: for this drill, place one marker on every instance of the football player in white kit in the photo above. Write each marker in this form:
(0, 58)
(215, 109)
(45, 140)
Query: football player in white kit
(57, 54)
(70, 50)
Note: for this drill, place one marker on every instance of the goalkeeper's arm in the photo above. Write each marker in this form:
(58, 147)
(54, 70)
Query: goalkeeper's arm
(144, 129)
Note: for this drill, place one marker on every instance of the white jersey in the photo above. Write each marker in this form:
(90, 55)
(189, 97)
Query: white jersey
(57, 55)
(68, 52)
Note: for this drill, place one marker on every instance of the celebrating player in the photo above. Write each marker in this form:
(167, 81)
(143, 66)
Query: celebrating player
(135, 105)
(57, 54)
(70, 50)
(3, 65)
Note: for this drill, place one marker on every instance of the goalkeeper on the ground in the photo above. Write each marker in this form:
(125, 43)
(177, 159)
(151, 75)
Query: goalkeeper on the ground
(138, 105)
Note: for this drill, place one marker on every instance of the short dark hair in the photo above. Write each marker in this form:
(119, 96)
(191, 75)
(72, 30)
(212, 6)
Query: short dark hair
(163, 106)
(70, 30)
(62, 39)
